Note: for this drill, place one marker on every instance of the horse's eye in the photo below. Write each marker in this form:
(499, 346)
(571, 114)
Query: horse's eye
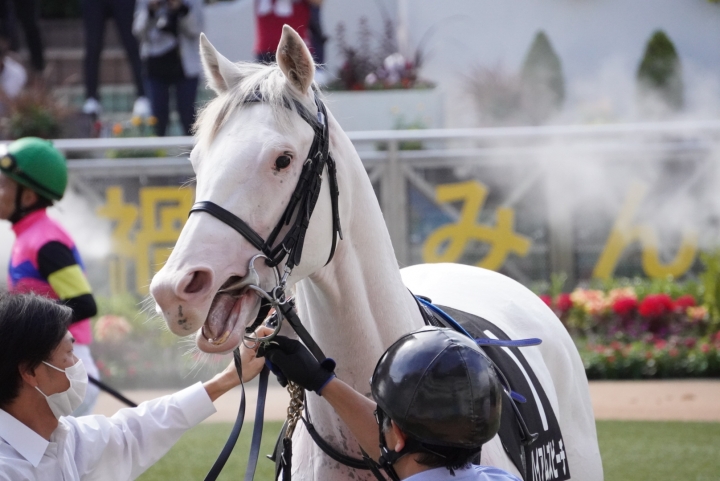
(282, 162)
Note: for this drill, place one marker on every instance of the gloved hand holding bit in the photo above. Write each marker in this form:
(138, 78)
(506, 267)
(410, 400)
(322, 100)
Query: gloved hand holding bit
(290, 360)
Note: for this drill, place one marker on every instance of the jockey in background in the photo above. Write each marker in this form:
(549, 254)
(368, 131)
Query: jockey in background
(437, 401)
(45, 260)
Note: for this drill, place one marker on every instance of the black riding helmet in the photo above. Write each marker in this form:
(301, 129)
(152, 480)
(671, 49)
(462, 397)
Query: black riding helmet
(439, 387)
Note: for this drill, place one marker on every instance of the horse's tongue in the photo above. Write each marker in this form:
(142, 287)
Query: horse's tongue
(217, 321)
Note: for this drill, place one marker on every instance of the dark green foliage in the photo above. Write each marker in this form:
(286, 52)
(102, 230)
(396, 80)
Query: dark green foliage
(660, 72)
(543, 87)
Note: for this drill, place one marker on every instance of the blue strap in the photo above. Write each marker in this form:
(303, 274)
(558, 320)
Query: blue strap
(445, 317)
(533, 341)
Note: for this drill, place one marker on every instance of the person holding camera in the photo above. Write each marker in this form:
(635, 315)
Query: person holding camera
(169, 33)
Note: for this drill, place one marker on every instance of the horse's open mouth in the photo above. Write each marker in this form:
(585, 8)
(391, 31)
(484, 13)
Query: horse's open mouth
(229, 314)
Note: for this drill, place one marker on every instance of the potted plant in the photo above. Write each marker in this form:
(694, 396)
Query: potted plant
(377, 87)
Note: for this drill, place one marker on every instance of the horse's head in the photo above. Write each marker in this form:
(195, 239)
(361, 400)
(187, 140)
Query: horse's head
(248, 159)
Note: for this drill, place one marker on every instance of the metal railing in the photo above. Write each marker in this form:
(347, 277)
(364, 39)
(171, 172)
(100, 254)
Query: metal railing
(399, 160)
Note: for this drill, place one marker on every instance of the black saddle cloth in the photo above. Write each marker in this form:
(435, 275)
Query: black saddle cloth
(541, 459)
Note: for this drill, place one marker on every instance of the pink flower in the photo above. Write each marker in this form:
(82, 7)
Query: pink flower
(655, 305)
(591, 301)
(705, 347)
(621, 293)
(624, 306)
(660, 344)
(697, 313)
(683, 302)
(547, 300)
(563, 303)
(673, 352)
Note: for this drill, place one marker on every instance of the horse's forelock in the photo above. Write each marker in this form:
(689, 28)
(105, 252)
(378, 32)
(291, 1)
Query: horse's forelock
(266, 80)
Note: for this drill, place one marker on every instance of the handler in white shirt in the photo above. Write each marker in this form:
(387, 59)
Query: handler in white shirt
(42, 382)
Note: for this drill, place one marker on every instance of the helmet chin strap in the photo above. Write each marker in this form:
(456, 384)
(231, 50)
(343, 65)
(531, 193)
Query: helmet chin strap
(21, 212)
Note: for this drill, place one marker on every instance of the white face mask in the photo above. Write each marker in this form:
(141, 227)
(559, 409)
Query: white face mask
(64, 403)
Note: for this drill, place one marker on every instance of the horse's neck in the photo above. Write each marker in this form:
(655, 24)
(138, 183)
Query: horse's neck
(357, 305)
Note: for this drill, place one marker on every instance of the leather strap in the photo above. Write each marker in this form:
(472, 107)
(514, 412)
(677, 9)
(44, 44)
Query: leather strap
(116, 394)
(341, 458)
(258, 428)
(237, 427)
(228, 218)
(288, 311)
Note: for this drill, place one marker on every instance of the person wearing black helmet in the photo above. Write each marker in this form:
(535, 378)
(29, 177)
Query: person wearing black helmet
(437, 401)
(44, 258)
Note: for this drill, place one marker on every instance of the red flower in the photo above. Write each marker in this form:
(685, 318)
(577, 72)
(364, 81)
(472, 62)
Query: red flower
(547, 300)
(705, 348)
(660, 344)
(624, 306)
(673, 352)
(563, 302)
(655, 305)
(690, 342)
(648, 355)
(684, 301)
(615, 345)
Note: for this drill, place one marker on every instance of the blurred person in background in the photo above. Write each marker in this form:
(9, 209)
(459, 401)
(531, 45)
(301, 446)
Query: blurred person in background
(42, 381)
(95, 14)
(44, 258)
(271, 15)
(169, 35)
(27, 12)
(12, 76)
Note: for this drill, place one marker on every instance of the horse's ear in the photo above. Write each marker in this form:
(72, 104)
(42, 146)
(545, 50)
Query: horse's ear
(295, 60)
(220, 72)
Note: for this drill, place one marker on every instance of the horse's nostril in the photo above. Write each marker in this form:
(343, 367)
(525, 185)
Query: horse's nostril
(197, 283)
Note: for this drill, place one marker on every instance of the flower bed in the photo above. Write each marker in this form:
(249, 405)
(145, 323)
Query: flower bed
(641, 329)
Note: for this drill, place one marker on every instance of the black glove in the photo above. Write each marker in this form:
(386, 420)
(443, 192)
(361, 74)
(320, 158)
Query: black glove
(296, 364)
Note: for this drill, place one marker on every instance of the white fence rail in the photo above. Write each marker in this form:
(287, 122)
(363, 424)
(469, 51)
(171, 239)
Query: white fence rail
(400, 160)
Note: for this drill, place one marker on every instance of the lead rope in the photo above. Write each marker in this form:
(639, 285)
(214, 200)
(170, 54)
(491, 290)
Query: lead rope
(294, 412)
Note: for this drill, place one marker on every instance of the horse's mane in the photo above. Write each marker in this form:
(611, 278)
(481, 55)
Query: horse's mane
(267, 81)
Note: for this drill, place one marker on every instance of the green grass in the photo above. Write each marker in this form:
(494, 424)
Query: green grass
(659, 451)
(631, 451)
(193, 456)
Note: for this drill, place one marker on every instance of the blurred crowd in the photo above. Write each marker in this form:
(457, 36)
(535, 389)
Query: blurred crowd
(160, 39)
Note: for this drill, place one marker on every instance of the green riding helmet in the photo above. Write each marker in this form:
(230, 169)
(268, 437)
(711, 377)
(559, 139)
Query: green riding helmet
(36, 164)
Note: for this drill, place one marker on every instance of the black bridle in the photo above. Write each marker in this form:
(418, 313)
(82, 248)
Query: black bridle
(297, 215)
(302, 202)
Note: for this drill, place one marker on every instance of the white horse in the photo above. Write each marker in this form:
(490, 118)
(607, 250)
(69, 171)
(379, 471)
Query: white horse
(248, 158)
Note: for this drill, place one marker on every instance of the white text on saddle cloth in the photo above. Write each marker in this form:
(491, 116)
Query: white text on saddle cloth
(547, 462)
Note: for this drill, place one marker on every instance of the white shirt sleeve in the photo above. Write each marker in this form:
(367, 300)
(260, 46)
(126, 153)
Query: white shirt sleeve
(123, 446)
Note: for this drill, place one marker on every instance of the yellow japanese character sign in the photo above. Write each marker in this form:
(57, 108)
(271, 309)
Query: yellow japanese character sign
(625, 233)
(447, 243)
(144, 234)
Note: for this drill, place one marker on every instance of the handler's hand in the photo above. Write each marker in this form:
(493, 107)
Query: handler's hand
(228, 378)
(296, 363)
(251, 363)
